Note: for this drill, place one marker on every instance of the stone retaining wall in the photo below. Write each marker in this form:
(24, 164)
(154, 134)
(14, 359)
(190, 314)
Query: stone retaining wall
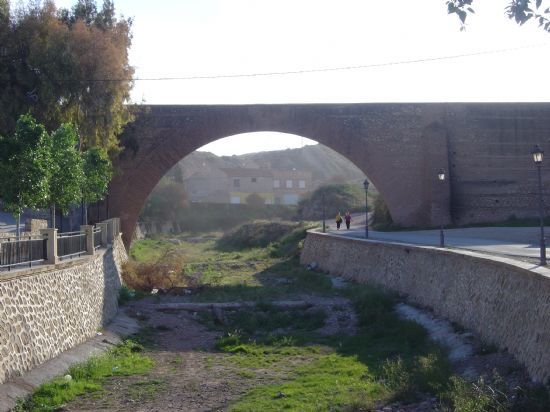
(49, 309)
(502, 300)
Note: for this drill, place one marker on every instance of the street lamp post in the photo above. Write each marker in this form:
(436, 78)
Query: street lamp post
(366, 185)
(538, 155)
(324, 211)
(441, 177)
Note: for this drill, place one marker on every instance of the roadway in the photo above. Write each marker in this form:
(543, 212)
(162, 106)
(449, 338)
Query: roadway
(517, 242)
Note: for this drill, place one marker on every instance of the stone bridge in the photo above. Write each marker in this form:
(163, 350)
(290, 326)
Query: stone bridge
(485, 147)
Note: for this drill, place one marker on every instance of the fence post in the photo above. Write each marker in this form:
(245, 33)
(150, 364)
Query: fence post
(103, 227)
(51, 245)
(89, 231)
(110, 236)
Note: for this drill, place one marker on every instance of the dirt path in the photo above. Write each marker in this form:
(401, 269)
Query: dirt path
(189, 373)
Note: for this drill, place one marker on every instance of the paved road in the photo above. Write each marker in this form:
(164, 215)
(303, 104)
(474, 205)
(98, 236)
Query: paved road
(519, 242)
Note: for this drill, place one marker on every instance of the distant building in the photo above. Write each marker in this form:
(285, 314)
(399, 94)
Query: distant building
(289, 186)
(243, 182)
(234, 185)
(207, 186)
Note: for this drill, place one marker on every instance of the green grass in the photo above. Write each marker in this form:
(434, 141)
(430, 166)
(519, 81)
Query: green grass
(388, 359)
(122, 360)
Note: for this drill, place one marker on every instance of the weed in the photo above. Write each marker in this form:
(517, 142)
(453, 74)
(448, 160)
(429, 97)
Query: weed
(479, 396)
(122, 360)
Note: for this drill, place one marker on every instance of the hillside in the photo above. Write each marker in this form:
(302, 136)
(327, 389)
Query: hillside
(324, 164)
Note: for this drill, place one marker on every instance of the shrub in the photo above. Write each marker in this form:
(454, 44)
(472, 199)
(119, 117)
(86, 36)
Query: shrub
(165, 273)
(479, 396)
(255, 234)
(339, 197)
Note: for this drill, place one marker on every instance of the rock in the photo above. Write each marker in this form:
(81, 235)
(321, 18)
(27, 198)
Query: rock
(312, 266)
(67, 378)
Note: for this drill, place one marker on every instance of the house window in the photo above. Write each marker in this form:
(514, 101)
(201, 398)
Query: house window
(276, 183)
(236, 182)
(289, 184)
(302, 184)
(253, 179)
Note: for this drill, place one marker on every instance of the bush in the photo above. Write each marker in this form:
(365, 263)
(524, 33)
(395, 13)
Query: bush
(341, 198)
(165, 273)
(255, 234)
(478, 396)
(291, 244)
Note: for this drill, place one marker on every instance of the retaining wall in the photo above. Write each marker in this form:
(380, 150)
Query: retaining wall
(505, 301)
(49, 309)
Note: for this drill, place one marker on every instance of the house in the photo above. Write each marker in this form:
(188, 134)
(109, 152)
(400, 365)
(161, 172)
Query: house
(289, 186)
(242, 182)
(235, 185)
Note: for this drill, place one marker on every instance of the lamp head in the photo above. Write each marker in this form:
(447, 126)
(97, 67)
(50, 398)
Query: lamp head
(441, 175)
(538, 154)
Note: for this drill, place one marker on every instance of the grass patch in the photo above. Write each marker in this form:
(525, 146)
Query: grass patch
(122, 360)
(389, 359)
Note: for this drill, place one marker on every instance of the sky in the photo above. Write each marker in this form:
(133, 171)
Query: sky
(189, 38)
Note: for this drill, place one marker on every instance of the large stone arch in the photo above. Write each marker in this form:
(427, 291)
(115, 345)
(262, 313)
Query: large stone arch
(484, 146)
(399, 147)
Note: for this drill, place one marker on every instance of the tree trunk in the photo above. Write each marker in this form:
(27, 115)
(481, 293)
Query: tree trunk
(18, 230)
(52, 216)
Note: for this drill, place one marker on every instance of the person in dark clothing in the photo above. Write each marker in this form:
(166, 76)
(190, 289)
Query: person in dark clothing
(347, 218)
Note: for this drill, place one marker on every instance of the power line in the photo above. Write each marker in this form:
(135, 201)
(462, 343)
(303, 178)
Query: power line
(329, 69)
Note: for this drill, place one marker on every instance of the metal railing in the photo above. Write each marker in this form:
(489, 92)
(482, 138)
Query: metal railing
(71, 244)
(25, 251)
(97, 238)
(49, 247)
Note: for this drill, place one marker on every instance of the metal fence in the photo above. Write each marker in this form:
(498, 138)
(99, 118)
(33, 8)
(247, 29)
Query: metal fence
(97, 238)
(25, 251)
(71, 244)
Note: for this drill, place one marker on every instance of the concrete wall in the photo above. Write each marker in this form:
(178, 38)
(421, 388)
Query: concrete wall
(502, 300)
(49, 309)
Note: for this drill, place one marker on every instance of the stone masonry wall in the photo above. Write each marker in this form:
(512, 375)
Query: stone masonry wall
(504, 302)
(47, 310)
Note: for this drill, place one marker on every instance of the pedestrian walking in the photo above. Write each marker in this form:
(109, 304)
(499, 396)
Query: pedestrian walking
(347, 218)
(338, 220)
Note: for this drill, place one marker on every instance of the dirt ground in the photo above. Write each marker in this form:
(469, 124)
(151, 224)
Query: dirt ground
(191, 375)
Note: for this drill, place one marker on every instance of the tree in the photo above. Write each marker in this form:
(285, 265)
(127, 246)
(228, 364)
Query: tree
(66, 66)
(98, 172)
(67, 174)
(26, 166)
(519, 10)
(165, 201)
(333, 198)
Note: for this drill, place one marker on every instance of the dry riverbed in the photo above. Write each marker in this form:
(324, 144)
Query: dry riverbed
(258, 333)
